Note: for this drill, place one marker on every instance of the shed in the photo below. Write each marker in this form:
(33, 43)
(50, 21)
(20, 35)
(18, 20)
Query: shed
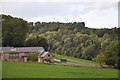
(46, 57)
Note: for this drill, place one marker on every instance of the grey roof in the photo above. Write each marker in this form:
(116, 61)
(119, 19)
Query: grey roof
(5, 49)
(21, 49)
(29, 49)
(44, 54)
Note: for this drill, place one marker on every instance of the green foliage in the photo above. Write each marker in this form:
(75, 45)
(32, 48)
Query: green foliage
(36, 41)
(111, 53)
(14, 31)
(100, 59)
(32, 56)
(31, 27)
(72, 39)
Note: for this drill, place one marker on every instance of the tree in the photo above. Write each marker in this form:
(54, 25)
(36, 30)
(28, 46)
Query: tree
(111, 53)
(42, 42)
(14, 31)
(36, 41)
(31, 27)
(31, 42)
(100, 59)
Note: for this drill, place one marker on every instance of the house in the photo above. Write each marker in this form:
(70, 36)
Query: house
(46, 57)
(20, 54)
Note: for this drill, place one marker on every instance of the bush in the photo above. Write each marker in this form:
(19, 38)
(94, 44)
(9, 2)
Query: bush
(100, 59)
(33, 56)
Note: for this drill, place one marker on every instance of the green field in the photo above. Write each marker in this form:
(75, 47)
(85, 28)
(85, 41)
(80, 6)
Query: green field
(35, 70)
(0, 69)
(82, 62)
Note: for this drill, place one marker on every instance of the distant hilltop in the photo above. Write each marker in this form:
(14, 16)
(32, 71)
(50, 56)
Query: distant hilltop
(81, 24)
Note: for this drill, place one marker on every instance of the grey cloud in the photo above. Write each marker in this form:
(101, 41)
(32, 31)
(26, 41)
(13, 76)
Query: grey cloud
(41, 9)
(37, 9)
(32, 9)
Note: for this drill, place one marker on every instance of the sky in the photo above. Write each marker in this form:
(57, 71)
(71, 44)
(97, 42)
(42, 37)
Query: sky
(95, 14)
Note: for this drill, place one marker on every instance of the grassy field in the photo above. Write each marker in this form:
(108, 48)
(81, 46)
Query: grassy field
(77, 60)
(0, 69)
(34, 70)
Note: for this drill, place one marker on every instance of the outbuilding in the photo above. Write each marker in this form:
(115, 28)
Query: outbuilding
(20, 54)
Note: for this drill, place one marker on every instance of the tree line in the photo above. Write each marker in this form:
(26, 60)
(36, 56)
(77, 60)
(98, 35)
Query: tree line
(71, 39)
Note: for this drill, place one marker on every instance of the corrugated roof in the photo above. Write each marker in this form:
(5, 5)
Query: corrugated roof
(5, 49)
(29, 49)
(44, 54)
(21, 49)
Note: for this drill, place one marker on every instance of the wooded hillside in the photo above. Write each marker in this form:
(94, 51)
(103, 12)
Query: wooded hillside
(71, 39)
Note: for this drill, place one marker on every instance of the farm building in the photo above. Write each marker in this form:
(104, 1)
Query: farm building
(20, 54)
(46, 57)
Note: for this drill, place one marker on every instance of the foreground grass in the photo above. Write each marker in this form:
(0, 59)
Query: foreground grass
(34, 70)
(0, 69)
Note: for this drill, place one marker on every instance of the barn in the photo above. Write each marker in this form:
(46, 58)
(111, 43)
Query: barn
(20, 54)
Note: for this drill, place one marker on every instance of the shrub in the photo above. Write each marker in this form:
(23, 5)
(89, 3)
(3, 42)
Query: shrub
(33, 56)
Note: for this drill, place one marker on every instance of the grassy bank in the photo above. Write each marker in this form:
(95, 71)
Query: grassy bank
(83, 62)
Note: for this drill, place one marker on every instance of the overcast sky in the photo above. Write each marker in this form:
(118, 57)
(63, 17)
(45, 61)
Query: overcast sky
(94, 14)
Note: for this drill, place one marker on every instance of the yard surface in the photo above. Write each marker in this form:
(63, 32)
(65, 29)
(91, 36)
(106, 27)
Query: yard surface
(35, 70)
